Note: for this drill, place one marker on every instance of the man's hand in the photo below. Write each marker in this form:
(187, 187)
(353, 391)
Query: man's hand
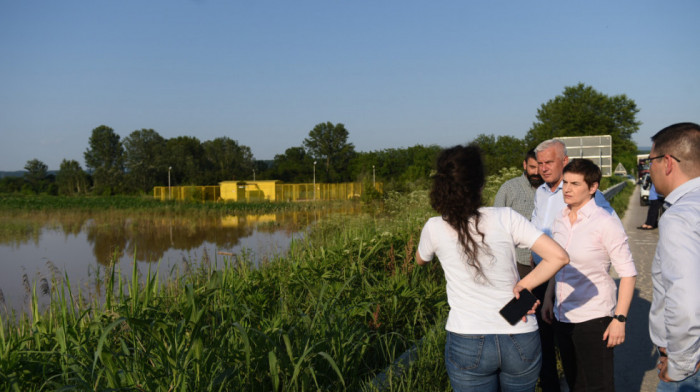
(663, 365)
(547, 311)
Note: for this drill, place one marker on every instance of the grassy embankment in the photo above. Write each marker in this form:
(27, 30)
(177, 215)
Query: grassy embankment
(342, 306)
(621, 200)
(338, 309)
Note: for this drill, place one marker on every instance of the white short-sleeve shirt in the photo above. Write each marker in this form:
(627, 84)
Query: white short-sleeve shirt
(474, 301)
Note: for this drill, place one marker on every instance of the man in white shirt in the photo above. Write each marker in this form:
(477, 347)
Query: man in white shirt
(549, 202)
(674, 317)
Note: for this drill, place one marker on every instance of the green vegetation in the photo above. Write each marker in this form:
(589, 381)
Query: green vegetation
(144, 159)
(37, 203)
(341, 308)
(620, 202)
(581, 111)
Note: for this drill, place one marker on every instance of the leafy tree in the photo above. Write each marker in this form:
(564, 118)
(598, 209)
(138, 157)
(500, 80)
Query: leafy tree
(421, 160)
(145, 159)
(399, 169)
(295, 165)
(11, 184)
(501, 152)
(36, 174)
(185, 155)
(227, 160)
(328, 143)
(105, 157)
(262, 170)
(71, 179)
(583, 111)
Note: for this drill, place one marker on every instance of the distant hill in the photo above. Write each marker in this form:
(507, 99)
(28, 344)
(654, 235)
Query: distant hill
(20, 173)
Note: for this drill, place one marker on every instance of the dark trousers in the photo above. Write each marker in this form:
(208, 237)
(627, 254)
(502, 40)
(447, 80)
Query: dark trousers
(549, 377)
(587, 361)
(653, 212)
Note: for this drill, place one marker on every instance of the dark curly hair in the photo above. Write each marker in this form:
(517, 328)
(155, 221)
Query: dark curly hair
(456, 195)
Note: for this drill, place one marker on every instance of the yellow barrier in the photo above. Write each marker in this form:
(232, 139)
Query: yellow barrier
(187, 193)
(263, 191)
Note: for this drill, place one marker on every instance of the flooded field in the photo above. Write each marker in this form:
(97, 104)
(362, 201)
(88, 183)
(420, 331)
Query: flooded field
(34, 249)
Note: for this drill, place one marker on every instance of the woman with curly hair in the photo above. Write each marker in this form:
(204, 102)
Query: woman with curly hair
(476, 249)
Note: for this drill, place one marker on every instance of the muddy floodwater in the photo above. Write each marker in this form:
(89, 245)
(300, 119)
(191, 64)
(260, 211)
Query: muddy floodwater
(34, 249)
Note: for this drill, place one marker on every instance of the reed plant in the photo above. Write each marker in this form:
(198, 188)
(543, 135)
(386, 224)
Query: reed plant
(338, 312)
(339, 308)
(44, 203)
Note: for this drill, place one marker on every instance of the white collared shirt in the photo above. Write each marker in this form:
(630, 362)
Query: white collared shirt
(674, 317)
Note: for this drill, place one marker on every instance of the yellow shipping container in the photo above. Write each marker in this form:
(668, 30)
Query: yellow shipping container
(248, 190)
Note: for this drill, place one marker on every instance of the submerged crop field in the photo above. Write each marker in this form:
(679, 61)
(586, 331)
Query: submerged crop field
(342, 306)
(18, 204)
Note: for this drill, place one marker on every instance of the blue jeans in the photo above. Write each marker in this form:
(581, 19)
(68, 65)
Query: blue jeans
(690, 384)
(483, 362)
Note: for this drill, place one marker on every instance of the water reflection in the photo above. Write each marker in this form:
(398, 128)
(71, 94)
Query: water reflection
(150, 238)
(82, 245)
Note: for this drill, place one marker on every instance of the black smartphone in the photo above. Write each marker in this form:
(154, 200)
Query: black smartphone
(517, 308)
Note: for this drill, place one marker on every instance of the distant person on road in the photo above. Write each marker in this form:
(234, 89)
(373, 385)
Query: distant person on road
(519, 194)
(476, 249)
(674, 317)
(549, 202)
(655, 203)
(590, 321)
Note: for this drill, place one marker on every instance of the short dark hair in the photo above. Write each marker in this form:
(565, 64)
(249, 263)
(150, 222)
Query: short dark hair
(531, 154)
(586, 167)
(681, 140)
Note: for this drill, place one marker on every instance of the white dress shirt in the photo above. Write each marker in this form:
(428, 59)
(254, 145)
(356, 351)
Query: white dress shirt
(674, 318)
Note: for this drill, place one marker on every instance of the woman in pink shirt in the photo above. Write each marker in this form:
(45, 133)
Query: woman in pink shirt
(590, 312)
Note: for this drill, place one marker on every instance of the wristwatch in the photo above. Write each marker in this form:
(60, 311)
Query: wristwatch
(620, 318)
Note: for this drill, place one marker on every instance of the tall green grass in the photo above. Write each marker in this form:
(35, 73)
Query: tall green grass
(334, 314)
(43, 203)
(336, 311)
(621, 201)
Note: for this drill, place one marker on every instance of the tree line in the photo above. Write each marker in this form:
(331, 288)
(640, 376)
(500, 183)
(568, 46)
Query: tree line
(145, 159)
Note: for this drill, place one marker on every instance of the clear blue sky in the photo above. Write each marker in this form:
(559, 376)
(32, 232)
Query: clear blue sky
(396, 73)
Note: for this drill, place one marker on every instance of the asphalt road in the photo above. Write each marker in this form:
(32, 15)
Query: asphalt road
(635, 360)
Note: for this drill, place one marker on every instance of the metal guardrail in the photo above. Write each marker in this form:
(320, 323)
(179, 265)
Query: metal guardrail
(396, 369)
(614, 190)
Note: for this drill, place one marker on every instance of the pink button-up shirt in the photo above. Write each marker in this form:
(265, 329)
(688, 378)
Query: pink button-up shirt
(584, 288)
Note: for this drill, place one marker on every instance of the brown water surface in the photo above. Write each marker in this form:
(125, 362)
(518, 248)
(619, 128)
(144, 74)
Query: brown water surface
(36, 248)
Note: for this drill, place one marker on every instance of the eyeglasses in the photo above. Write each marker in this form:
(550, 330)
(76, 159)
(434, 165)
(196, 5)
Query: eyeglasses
(651, 159)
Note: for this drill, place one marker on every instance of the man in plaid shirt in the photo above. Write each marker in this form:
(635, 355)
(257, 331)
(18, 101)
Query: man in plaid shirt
(519, 194)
